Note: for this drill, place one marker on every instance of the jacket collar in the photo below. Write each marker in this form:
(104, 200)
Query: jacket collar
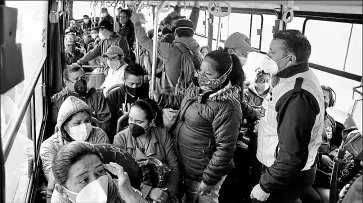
(293, 70)
(151, 149)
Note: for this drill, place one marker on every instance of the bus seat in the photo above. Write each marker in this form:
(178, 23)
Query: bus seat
(121, 122)
(110, 153)
(113, 87)
(95, 79)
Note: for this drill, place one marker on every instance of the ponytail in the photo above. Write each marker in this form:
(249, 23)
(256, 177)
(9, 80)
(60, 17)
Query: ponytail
(237, 76)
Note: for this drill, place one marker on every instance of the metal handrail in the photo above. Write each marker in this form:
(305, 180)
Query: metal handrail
(15, 122)
(155, 44)
(137, 10)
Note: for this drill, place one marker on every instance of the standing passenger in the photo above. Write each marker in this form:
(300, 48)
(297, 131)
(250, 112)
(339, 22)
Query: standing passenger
(105, 16)
(206, 130)
(127, 27)
(290, 134)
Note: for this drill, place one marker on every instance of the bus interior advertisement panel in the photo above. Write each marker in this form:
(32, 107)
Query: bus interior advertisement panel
(31, 33)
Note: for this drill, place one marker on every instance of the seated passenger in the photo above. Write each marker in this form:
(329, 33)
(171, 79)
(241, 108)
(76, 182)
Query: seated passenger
(73, 123)
(108, 38)
(206, 129)
(75, 80)
(145, 138)
(127, 27)
(88, 41)
(72, 54)
(204, 50)
(81, 177)
(115, 61)
(134, 88)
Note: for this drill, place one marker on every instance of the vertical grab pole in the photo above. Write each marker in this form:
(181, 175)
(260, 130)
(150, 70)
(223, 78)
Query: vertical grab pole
(155, 44)
(218, 32)
(137, 48)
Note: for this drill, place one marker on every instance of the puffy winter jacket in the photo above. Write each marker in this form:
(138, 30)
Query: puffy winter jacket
(206, 131)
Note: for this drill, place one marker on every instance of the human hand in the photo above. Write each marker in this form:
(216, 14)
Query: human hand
(205, 189)
(349, 122)
(155, 95)
(258, 194)
(156, 193)
(135, 18)
(325, 159)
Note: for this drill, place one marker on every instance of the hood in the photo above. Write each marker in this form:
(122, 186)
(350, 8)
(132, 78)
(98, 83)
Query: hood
(229, 92)
(190, 42)
(252, 89)
(69, 107)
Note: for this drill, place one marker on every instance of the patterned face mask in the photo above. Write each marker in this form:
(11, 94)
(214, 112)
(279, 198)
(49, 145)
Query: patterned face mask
(210, 84)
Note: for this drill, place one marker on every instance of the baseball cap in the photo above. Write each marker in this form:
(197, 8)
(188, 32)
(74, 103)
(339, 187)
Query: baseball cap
(105, 24)
(184, 23)
(238, 40)
(113, 51)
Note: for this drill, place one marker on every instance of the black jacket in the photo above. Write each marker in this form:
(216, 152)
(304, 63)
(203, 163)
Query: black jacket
(128, 31)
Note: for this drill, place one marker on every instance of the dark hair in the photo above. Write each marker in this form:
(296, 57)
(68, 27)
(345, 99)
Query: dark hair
(71, 69)
(127, 12)
(104, 9)
(96, 29)
(204, 47)
(150, 33)
(332, 95)
(134, 69)
(151, 109)
(184, 32)
(69, 155)
(85, 17)
(295, 42)
(224, 61)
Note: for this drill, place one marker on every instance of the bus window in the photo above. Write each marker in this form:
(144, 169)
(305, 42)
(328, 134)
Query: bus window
(354, 57)
(256, 25)
(31, 32)
(329, 42)
(202, 23)
(239, 23)
(296, 24)
(268, 23)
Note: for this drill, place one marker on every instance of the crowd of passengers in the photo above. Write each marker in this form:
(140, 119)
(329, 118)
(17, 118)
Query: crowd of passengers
(205, 125)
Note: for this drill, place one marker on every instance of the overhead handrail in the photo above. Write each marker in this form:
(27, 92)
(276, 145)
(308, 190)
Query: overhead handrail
(137, 50)
(116, 26)
(16, 121)
(155, 44)
(288, 10)
(215, 9)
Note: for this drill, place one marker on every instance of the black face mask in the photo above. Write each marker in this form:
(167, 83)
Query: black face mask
(136, 130)
(136, 92)
(81, 87)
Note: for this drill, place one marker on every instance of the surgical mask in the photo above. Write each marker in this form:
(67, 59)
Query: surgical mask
(86, 21)
(94, 36)
(80, 87)
(104, 14)
(94, 192)
(270, 66)
(113, 64)
(206, 83)
(80, 132)
(243, 60)
(262, 86)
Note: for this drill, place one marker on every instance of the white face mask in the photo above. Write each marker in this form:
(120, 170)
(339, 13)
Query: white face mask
(80, 132)
(102, 36)
(94, 192)
(270, 66)
(104, 14)
(262, 86)
(243, 60)
(94, 36)
(113, 64)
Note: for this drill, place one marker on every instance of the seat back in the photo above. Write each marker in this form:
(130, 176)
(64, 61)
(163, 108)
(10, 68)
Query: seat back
(122, 122)
(110, 153)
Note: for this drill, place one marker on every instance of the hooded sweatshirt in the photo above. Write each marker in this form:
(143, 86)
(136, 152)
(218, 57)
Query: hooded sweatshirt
(50, 146)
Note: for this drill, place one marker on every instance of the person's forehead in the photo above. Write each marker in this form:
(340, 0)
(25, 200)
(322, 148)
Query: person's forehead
(208, 65)
(137, 114)
(85, 164)
(80, 115)
(277, 45)
(134, 78)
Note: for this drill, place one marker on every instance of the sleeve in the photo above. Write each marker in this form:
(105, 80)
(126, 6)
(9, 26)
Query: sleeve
(103, 113)
(194, 16)
(47, 152)
(119, 142)
(124, 45)
(130, 35)
(296, 117)
(172, 161)
(164, 49)
(177, 9)
(102, 137)
(249, 113)
(225, 128)
(96, 51)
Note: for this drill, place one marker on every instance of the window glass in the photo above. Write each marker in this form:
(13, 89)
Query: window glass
(296, 24)
(33, 39)
(201, 27)
(354, 57)
(268, 23)
(329, 41)
(256, 25)
(240, 23)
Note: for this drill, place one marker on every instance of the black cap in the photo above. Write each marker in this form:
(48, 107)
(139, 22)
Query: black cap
(105, 24)
(104, 10)
(184, 23)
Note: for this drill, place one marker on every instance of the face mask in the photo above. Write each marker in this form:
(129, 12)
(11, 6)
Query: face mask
(104, 14)
(262, 86)
(326, 105)
(71, 48)
(113, 64)
(80, 132)
(94, 192)
(103, 36)
(80, 87)
(134, 91)
(243, 60)
(136, 130)
(206, 83)
(86, 21)
(94, 36)
(270, 66)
